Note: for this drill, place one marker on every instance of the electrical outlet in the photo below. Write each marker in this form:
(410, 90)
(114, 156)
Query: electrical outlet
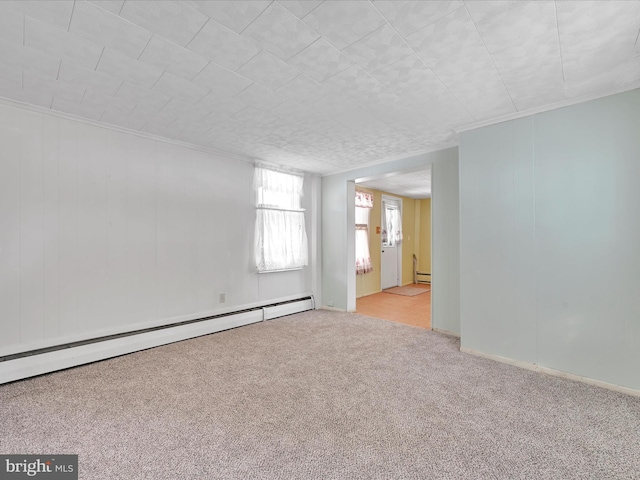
(222, 297)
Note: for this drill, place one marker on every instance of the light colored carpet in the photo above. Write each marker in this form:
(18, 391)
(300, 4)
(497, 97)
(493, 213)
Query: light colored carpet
(321, 395)
(407, 291)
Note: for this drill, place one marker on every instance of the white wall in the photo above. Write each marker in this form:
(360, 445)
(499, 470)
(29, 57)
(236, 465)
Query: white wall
(445, 280)
(338, 256)
(103, 232)
(550, 230)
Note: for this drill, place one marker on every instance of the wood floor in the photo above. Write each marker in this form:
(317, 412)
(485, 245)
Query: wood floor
(414, 311)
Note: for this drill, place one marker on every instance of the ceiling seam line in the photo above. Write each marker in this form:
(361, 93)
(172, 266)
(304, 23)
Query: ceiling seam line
(99, 59)
(145, 47)
(197, 33)
(256, 17)
(73, 8)
(490, 57)
(555, 9)
(422, 60)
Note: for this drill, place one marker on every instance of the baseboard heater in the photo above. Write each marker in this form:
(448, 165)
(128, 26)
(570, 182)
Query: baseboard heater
(45, 360)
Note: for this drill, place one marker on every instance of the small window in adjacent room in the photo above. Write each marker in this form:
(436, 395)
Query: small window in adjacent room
(364, 204)
(281, 238)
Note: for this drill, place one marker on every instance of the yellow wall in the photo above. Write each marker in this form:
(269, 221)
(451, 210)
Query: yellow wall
(413, 240)
(424, 252)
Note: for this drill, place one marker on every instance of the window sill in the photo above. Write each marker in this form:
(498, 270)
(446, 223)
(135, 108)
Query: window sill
(281, 270)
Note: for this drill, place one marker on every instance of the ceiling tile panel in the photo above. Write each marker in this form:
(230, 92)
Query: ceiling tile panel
(320, 60)
(127, 69)
(526, 54)
(280, 32)
(55, 13)
(232, 13)
(319, 85)
(109, 30)
(454, 35)
(174, 20)
(29, 59)
(10, 80)
(185, 109)
(220, 81)
(174, 86)
(353, 81)
(221, 106)
(303, 90)
(128, 121)
(344, 22)
(32, 97)
(144, 99)
(11, 26)
(410, 16)
(291, 112)
(259, 97)
(166, 55)
(113, 6)
(597, 36)
(99, 101)
(223, 46)
(55, 88)
(79, 109)
(88, 78)
(59, 43)
(378, 49)
(300, 8)
(266, 70)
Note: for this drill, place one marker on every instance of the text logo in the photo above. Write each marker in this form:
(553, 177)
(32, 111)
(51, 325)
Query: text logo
(49, 467)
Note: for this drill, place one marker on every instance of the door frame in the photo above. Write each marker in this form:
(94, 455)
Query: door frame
(398, 200)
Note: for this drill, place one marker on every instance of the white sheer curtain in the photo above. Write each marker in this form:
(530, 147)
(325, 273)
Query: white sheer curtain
(364, 203)
(391, 225)
(281, 237)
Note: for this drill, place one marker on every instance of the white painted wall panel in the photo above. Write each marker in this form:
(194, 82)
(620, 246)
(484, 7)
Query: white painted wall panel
(445, 280)
(549, 239)
(497, 238)
(141, 230)
(68, 227)
(91, 211)
(31, 227)
(9, 228)
(50, 225)
(116, 293)
(103, 232)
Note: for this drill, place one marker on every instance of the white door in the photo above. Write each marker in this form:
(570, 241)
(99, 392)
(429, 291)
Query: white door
(390, 268)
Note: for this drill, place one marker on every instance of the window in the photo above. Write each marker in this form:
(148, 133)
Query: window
(391, 225)
(364, 204)
(281, 238)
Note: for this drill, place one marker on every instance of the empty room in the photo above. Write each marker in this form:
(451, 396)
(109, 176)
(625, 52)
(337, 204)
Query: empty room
(197, 196)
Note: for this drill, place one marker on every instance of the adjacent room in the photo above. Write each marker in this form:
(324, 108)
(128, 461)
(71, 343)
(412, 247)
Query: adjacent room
(281, 239)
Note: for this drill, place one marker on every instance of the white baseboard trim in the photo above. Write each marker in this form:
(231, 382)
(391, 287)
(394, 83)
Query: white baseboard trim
(333, 309)
(40, 363)
(446, 332)
(33, 365)
(556, 373)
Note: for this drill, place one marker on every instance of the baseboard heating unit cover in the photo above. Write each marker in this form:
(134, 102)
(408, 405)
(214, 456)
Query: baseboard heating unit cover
(58, 357)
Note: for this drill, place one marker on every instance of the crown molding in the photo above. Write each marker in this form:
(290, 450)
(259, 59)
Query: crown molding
(120, 129)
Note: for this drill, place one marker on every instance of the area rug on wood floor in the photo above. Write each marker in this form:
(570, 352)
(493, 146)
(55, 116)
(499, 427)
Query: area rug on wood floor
(407, 291)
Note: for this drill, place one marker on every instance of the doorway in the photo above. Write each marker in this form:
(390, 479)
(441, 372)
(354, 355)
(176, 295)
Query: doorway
(401, 208)
(391, 242)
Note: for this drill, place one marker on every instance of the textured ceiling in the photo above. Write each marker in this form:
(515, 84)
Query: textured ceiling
(321, 86)
(410, 184)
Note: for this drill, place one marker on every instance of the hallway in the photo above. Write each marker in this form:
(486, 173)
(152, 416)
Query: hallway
(415, 311)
